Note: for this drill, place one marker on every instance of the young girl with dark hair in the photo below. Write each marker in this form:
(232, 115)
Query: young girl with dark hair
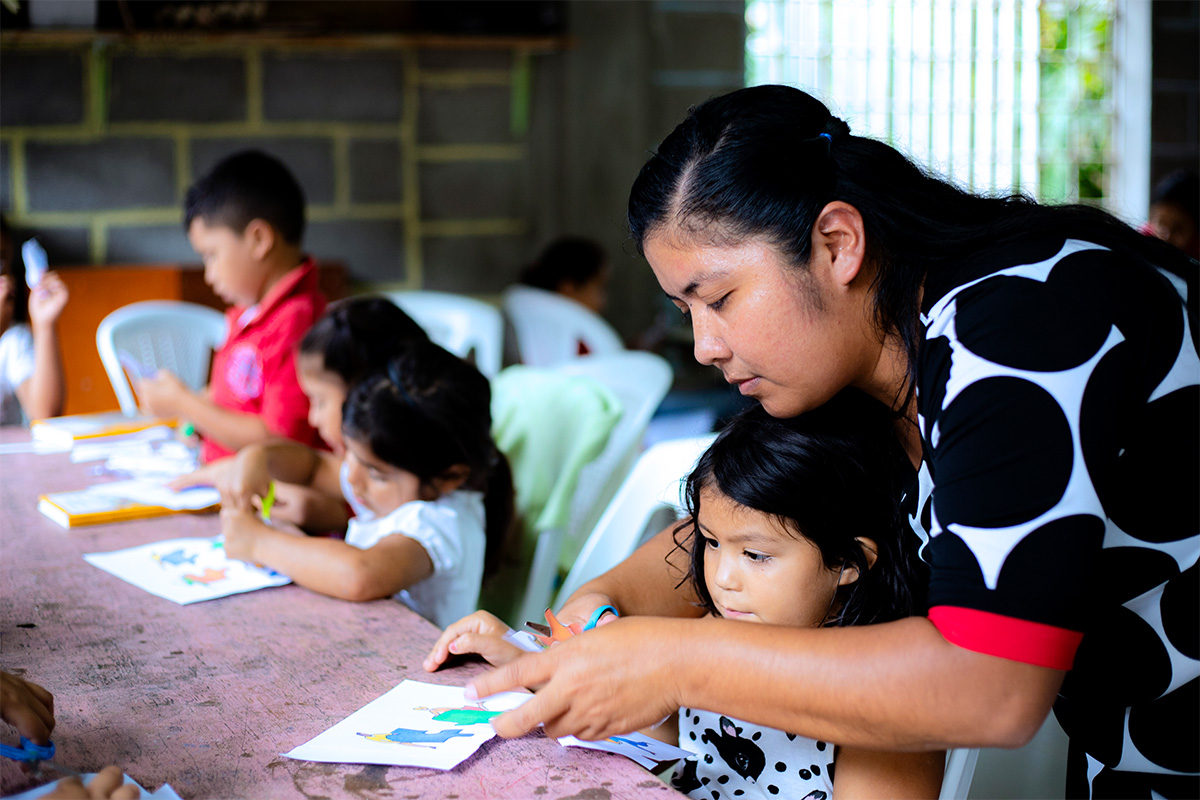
(434, 492)
(795, 522)
(355, 337)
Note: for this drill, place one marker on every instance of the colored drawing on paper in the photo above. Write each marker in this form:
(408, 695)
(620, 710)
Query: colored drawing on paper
(185, 570)
(630, 742)
(175, 558)
(436, 726)
(210, 576)
(463, 715)
(415, 738)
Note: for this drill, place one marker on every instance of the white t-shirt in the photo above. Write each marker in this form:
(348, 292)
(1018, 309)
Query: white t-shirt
(16, 367)
(451, 529)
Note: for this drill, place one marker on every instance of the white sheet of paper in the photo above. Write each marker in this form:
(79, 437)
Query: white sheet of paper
(38, 446)
(99, 447)
(401, 728)
(156, 493)
(164, 792)
(185, 570)
(639, 747)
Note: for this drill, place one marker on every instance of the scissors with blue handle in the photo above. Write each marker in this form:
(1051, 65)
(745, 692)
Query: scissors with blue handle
(557, 632)
(36, 756)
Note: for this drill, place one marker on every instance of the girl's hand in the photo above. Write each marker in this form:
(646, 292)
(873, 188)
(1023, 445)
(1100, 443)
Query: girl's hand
(27, 707)
(248, 477)
(579, 609)
(242, 529)
(480, 633)
(211, 474)
(108, 783)
(47, 301)
(161, 395)
(618, 678)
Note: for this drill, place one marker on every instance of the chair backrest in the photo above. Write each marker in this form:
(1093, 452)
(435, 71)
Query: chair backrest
(960, 769)
(549, 327)
(640, 381)
(159, 334)
(654, 483)
(458, 323)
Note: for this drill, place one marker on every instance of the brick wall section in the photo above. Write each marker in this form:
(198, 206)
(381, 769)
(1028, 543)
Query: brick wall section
(414, 160)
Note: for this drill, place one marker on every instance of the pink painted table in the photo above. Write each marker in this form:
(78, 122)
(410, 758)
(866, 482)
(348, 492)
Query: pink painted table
(206, 696)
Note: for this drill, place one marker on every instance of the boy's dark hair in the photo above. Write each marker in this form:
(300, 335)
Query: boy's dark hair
(571, 258)
(244, 187)
(427, 411)
(765, 160)
(828, 475)
(359, 335)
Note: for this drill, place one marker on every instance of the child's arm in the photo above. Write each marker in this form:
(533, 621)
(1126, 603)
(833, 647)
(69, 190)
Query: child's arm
(876, 773)
(41, 395)
(164, 395)
(328, 566)
(481, 633)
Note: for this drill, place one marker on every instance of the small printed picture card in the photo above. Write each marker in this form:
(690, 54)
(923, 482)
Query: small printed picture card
(414, 725)
(185, 570)
(643, 749)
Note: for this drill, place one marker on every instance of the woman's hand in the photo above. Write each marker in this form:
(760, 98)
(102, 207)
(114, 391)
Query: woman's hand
(27, 707)
(612, 680)
(162, 395)
(108, 783)
(480, 633)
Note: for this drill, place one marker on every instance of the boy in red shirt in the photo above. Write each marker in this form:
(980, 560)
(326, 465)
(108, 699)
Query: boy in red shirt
(246, 219)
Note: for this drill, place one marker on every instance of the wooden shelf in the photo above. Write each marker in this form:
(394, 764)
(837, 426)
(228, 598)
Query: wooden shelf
(334, 41)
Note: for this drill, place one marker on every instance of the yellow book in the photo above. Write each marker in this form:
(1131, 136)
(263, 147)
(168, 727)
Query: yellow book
(86, 507)
(73, 428)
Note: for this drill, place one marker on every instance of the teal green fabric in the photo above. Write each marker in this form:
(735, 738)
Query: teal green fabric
(550, 426)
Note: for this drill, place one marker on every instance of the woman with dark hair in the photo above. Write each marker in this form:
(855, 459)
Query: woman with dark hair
(1041, 365)
(573, 267)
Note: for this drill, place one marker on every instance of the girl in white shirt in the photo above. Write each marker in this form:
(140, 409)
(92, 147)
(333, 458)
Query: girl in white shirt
(435, 493)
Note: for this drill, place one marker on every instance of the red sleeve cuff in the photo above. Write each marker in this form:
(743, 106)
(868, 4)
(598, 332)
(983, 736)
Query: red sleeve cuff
(1007, 637)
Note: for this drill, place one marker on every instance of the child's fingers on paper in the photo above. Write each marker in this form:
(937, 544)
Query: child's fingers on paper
(68, 789)
(478, 622)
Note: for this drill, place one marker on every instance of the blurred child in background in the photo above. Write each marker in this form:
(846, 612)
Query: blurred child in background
(246, 220)
(32, 385)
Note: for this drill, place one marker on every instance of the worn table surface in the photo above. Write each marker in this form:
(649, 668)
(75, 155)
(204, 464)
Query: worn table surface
(206, 696)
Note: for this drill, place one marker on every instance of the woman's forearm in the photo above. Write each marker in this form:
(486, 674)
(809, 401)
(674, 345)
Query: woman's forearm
(896, 686)
(645, 583)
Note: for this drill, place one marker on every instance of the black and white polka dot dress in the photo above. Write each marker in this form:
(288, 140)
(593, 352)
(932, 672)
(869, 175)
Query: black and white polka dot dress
(735, 759)
(1059, 399)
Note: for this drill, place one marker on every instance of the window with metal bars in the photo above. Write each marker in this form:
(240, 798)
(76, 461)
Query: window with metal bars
(1000, 96)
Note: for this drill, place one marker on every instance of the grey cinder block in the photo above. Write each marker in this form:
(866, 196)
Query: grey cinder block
(341, 87)
(201, 89)
(128, 172)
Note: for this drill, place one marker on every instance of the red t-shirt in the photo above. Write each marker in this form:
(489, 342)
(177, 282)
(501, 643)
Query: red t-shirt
(254, 371)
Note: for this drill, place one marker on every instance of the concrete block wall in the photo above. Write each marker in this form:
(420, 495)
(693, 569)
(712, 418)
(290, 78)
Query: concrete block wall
(415, 160)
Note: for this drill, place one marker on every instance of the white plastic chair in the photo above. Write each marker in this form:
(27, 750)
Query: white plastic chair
(640, 381)
(458, 323)
(159, 334)
(960, 768)
(549, 327)
(654, 484)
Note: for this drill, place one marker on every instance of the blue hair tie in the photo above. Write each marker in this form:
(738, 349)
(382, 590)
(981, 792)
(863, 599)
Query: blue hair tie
(826, 137)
